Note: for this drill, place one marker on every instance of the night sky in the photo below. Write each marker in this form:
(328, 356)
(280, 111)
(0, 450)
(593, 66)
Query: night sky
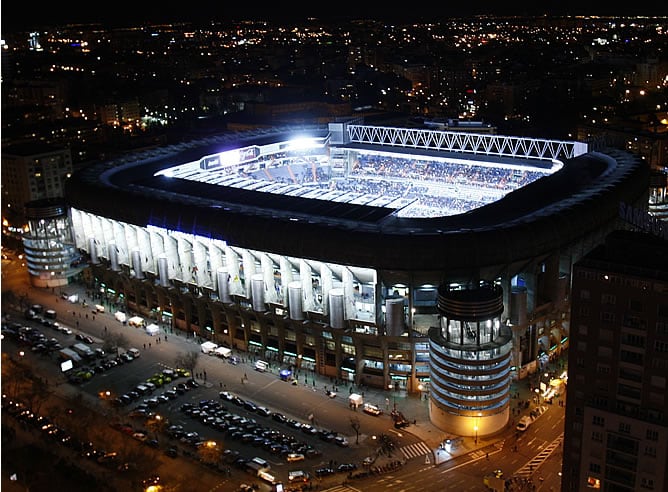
(23, 15)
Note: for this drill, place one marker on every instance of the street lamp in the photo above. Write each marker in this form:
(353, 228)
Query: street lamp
(475, 427)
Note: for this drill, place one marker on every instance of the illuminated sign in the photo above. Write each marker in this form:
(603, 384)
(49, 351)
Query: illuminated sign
(643, 220)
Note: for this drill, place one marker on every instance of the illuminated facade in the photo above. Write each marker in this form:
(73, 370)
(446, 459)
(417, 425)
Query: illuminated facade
(51, 256)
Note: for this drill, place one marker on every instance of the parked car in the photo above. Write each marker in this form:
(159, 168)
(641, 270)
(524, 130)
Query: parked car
(264, 411)
(341, 441)
(85, 338)
(65, 330)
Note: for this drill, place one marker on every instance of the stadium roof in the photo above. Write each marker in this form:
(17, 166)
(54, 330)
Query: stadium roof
(554, 212)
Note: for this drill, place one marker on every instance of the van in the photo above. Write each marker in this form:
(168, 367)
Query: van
(50, 314)
(261, 365)
(134, 352)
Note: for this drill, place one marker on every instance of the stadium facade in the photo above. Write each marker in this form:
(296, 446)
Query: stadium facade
(408, 259)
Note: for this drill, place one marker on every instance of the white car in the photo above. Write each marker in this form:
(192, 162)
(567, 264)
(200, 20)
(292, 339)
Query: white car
(292, 457)
(341, 441)
(524, 423)
(65, 330)
(372, 409)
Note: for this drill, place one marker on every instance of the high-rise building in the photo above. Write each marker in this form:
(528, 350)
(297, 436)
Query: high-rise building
(29, 173)
(616, 433)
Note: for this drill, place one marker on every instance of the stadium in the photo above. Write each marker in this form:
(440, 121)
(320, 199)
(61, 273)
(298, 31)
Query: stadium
(415, 260)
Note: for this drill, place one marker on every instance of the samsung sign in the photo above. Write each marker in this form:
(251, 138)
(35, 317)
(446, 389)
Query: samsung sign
(643, 220)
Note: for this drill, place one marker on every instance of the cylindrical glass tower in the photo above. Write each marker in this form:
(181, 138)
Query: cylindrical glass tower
(470, 361)
(50, 252)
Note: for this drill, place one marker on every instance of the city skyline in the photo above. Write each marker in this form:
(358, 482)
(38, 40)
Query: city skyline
(125, 14)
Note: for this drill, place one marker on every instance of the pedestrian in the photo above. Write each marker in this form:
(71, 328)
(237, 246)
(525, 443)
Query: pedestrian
(221, 385)
(144, 346)
(165, 338)
(149, 344)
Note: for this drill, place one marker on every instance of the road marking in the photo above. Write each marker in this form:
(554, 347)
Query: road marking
(415, 450)
(342, 488)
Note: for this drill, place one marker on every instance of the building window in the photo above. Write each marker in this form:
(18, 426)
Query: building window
(652, 435)
(593, 483)
(600, 401)
(658, 381)
(635, 305)
(660, 346)
(634, 340)
(631, 357)
(598, 420)
(650, 451)
(597, 436)
(624, 428)
(661, 328)
(594, 467)
(604, 352)
(608, 299)
(584, 294)
(647, 483)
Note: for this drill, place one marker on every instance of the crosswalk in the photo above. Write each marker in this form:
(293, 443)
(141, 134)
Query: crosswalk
(415, 450)
(342, 488)
(528, 469)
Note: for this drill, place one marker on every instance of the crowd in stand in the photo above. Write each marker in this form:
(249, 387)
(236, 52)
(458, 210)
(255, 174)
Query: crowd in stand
(428, 188)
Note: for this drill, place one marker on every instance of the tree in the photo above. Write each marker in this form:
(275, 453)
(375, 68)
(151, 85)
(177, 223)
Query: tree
(112, 342)
(210, 452)
(187, 360)
(355, 424)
